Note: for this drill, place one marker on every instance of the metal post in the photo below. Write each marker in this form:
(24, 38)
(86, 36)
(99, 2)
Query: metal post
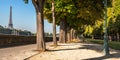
(106, 47)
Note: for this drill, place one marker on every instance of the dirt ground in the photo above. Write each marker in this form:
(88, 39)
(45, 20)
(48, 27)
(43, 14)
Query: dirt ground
(69, 51)
(76, 51)
(17, 52)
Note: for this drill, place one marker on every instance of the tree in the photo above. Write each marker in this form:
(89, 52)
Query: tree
(113, 20)
(74, 14)
(39, 7)
(54, 24)
(116, 17)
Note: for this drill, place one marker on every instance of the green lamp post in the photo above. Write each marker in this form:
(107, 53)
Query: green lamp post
(106, 47)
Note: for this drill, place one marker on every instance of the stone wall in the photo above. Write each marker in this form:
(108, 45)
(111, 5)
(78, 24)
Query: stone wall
(13, 40)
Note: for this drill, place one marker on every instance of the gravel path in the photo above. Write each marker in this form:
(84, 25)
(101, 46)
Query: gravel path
(17, 52)
(76, 51)
(69, 51)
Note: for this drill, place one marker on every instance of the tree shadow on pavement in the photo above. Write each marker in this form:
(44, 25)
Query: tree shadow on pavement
(115, 55)
(94, 47)
(97, 48)
(28, 58)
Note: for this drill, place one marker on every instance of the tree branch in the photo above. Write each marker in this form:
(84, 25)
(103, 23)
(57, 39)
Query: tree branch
(35, 5)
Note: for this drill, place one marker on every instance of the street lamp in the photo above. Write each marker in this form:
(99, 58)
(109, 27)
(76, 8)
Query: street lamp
(106, 47)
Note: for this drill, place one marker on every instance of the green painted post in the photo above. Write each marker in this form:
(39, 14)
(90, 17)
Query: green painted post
(106, 47)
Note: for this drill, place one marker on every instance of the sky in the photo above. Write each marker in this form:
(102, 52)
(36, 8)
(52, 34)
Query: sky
(23, 15)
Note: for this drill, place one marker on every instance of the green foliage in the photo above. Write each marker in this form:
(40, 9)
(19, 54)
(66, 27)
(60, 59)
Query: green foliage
(62, 9)
(113, 21)
(77, 13)
(116, 7)
(1, 26)
(26, 1)
(96, 41)
(5, 31)
(10, 31)
(114, 17)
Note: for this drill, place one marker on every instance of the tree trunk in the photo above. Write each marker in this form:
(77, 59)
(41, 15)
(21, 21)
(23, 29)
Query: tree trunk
(68, 37)
(71, 33)
(115, 39)
(118, 37)
(68, 34)
(92, 37)
(75, 34)
(54, 24)
(78, 37)
(40, 32)
(74, 37)
(39, 5)
(63, 34)
(110, 38)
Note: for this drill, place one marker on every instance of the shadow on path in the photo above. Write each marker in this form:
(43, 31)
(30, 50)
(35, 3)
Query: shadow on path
(14, 45)
(115, 55)
(31, 56)
(95, 47)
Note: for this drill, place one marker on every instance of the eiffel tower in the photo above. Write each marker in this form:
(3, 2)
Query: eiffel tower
(10, 25)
